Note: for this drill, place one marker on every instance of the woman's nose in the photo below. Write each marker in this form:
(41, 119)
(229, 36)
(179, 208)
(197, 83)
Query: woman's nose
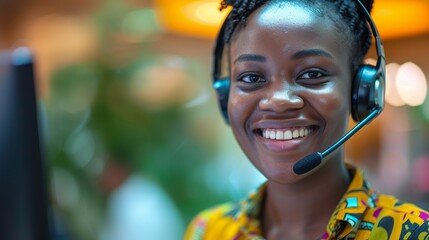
(282, 100)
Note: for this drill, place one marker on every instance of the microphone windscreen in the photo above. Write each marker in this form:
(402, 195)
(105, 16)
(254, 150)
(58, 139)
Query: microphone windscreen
(308, 163)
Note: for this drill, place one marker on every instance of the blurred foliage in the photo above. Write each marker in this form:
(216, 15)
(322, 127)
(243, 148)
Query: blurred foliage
(95, 120)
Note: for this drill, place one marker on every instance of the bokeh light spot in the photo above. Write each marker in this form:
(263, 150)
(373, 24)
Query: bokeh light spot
(392, 95)
(411, 84)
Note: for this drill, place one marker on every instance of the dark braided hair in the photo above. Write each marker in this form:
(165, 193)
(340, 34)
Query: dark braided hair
(349, 19)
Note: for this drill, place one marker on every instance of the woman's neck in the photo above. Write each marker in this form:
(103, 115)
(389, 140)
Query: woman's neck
(305, 207)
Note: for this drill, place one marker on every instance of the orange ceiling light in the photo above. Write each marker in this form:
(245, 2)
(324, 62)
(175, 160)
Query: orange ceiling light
(397, 19)
(199, 18)
(202, 18)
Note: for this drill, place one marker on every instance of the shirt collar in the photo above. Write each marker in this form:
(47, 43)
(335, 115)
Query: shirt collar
(249, 214)
(348, 214)
(345, 219)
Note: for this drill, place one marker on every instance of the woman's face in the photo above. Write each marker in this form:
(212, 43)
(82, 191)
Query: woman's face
(290, 88)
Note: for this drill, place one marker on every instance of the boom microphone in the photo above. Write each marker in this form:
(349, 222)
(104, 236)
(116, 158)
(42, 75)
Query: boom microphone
(313, 160)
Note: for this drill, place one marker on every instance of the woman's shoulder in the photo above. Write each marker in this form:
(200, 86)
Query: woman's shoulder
(392, 205)
(409, 220)
(213, 220)
(229, 220)
(221, 212)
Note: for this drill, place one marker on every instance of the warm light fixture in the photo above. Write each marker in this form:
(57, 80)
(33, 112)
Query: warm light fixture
(396, 18)
(405, 84)
(392, 95)
(411, 84)
(203, 12)
(198, 18)
(201, 18)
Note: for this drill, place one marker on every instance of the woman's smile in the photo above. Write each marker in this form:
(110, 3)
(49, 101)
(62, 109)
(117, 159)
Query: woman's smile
(283, 137)
(285, 134)
(284, 140)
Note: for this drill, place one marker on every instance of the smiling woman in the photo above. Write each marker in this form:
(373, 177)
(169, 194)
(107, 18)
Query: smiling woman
(295, 77)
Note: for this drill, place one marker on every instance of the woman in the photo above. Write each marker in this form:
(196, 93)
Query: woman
(291, 67)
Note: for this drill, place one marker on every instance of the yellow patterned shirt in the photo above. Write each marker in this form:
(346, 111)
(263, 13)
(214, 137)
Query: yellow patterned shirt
(361, 214)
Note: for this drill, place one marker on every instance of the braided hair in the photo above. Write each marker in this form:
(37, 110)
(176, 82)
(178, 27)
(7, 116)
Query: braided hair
(345, 13)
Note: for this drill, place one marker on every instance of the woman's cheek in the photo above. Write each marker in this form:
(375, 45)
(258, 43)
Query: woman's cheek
(336, 98)
(239, 104)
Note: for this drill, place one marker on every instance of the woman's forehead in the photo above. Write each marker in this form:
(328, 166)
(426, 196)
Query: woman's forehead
(279, 18)
(285, 30)
(275, 14)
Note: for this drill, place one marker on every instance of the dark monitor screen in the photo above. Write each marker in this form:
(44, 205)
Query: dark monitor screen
(23, 197)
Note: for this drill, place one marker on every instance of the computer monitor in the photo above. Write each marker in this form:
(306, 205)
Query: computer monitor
(23, 198)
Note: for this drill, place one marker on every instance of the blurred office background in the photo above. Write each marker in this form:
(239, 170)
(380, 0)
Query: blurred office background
(133, 139)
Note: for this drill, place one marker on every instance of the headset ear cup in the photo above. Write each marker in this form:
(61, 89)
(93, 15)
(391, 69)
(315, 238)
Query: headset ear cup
(222, 89)
(364, 92)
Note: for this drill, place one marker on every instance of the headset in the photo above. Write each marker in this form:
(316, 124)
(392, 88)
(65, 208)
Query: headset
(368, 85)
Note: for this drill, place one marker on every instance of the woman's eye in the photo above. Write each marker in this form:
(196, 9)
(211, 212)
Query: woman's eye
(311, 75)
(251, 78)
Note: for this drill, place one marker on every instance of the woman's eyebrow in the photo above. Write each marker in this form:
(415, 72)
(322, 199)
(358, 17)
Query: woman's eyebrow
(250, 57)
(311, 52)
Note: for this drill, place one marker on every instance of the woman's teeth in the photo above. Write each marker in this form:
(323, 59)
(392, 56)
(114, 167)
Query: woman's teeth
(277, 134)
